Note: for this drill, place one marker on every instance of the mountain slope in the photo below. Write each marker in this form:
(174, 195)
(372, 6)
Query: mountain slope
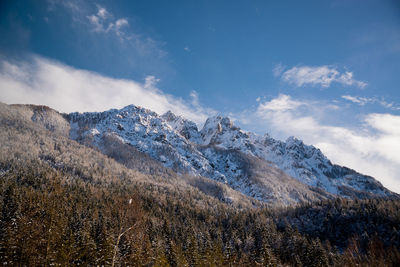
(261, 167)
(63, 203)
(25, 139)
(305, 163)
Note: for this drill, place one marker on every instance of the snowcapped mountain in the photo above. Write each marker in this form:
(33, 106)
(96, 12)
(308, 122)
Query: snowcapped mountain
(258, 166)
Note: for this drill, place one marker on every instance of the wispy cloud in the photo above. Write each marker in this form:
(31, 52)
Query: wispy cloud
(104, 22)
(110, 37)
(67, 89)
(317, 75)
(76, 7)
(102, 13)
(370, 100)
(98, 19)
(278, 69)
(369, 147)
(281, 103)
(356, 99)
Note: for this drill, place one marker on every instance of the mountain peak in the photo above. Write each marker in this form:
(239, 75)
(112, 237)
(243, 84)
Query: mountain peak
(216, 126)
(186, 128)
(215, 120)
(138, 109)
(169, 116)
(222, 151)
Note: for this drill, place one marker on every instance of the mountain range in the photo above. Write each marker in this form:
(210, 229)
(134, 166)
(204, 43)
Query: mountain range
(260, 167)
(132, 187)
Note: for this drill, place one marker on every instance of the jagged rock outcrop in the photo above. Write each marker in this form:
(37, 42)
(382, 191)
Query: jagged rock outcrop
(258, 166)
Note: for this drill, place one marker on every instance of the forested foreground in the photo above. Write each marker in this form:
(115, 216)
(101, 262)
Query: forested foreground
(47, 219)
(62, 203)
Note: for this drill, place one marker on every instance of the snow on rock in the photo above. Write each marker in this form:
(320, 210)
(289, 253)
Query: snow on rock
(170, 143)
(184, 127)
(178, 144)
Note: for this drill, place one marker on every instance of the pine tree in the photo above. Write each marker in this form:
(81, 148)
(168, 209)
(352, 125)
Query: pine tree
(170, 253)
(267, 257)
(9, 227)
(229, 259)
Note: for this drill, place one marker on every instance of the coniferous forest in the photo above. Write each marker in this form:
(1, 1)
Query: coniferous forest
(63, 203)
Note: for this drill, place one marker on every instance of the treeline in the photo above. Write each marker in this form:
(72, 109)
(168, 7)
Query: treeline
(343, 219)
(47, 220)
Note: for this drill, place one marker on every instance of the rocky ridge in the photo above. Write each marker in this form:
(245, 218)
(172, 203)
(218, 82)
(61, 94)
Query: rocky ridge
(258, 166)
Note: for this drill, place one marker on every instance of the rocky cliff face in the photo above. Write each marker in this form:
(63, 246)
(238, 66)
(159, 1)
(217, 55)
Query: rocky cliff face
(258, 166)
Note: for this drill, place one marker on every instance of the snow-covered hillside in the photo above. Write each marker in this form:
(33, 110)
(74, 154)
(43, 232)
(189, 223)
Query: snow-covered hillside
(258, 166)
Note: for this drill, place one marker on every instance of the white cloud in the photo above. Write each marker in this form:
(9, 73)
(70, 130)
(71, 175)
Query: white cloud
(103, 22)
(102, 13)
(359, 100)
(370, 100)
(121, 22)
(67, 89)
(111, 37)
(386, 123)
(278, 69)
(75, 7)
(187, 49)
(195, 103)
(370, 148)
(100, 21)
(281, 103)
(195, 98)
(321, 75)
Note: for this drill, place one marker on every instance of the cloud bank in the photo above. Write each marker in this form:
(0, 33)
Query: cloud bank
(320, 75)
(46, 82)
(370, 148)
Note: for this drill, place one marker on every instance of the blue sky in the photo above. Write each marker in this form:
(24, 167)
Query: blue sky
(326, 72)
